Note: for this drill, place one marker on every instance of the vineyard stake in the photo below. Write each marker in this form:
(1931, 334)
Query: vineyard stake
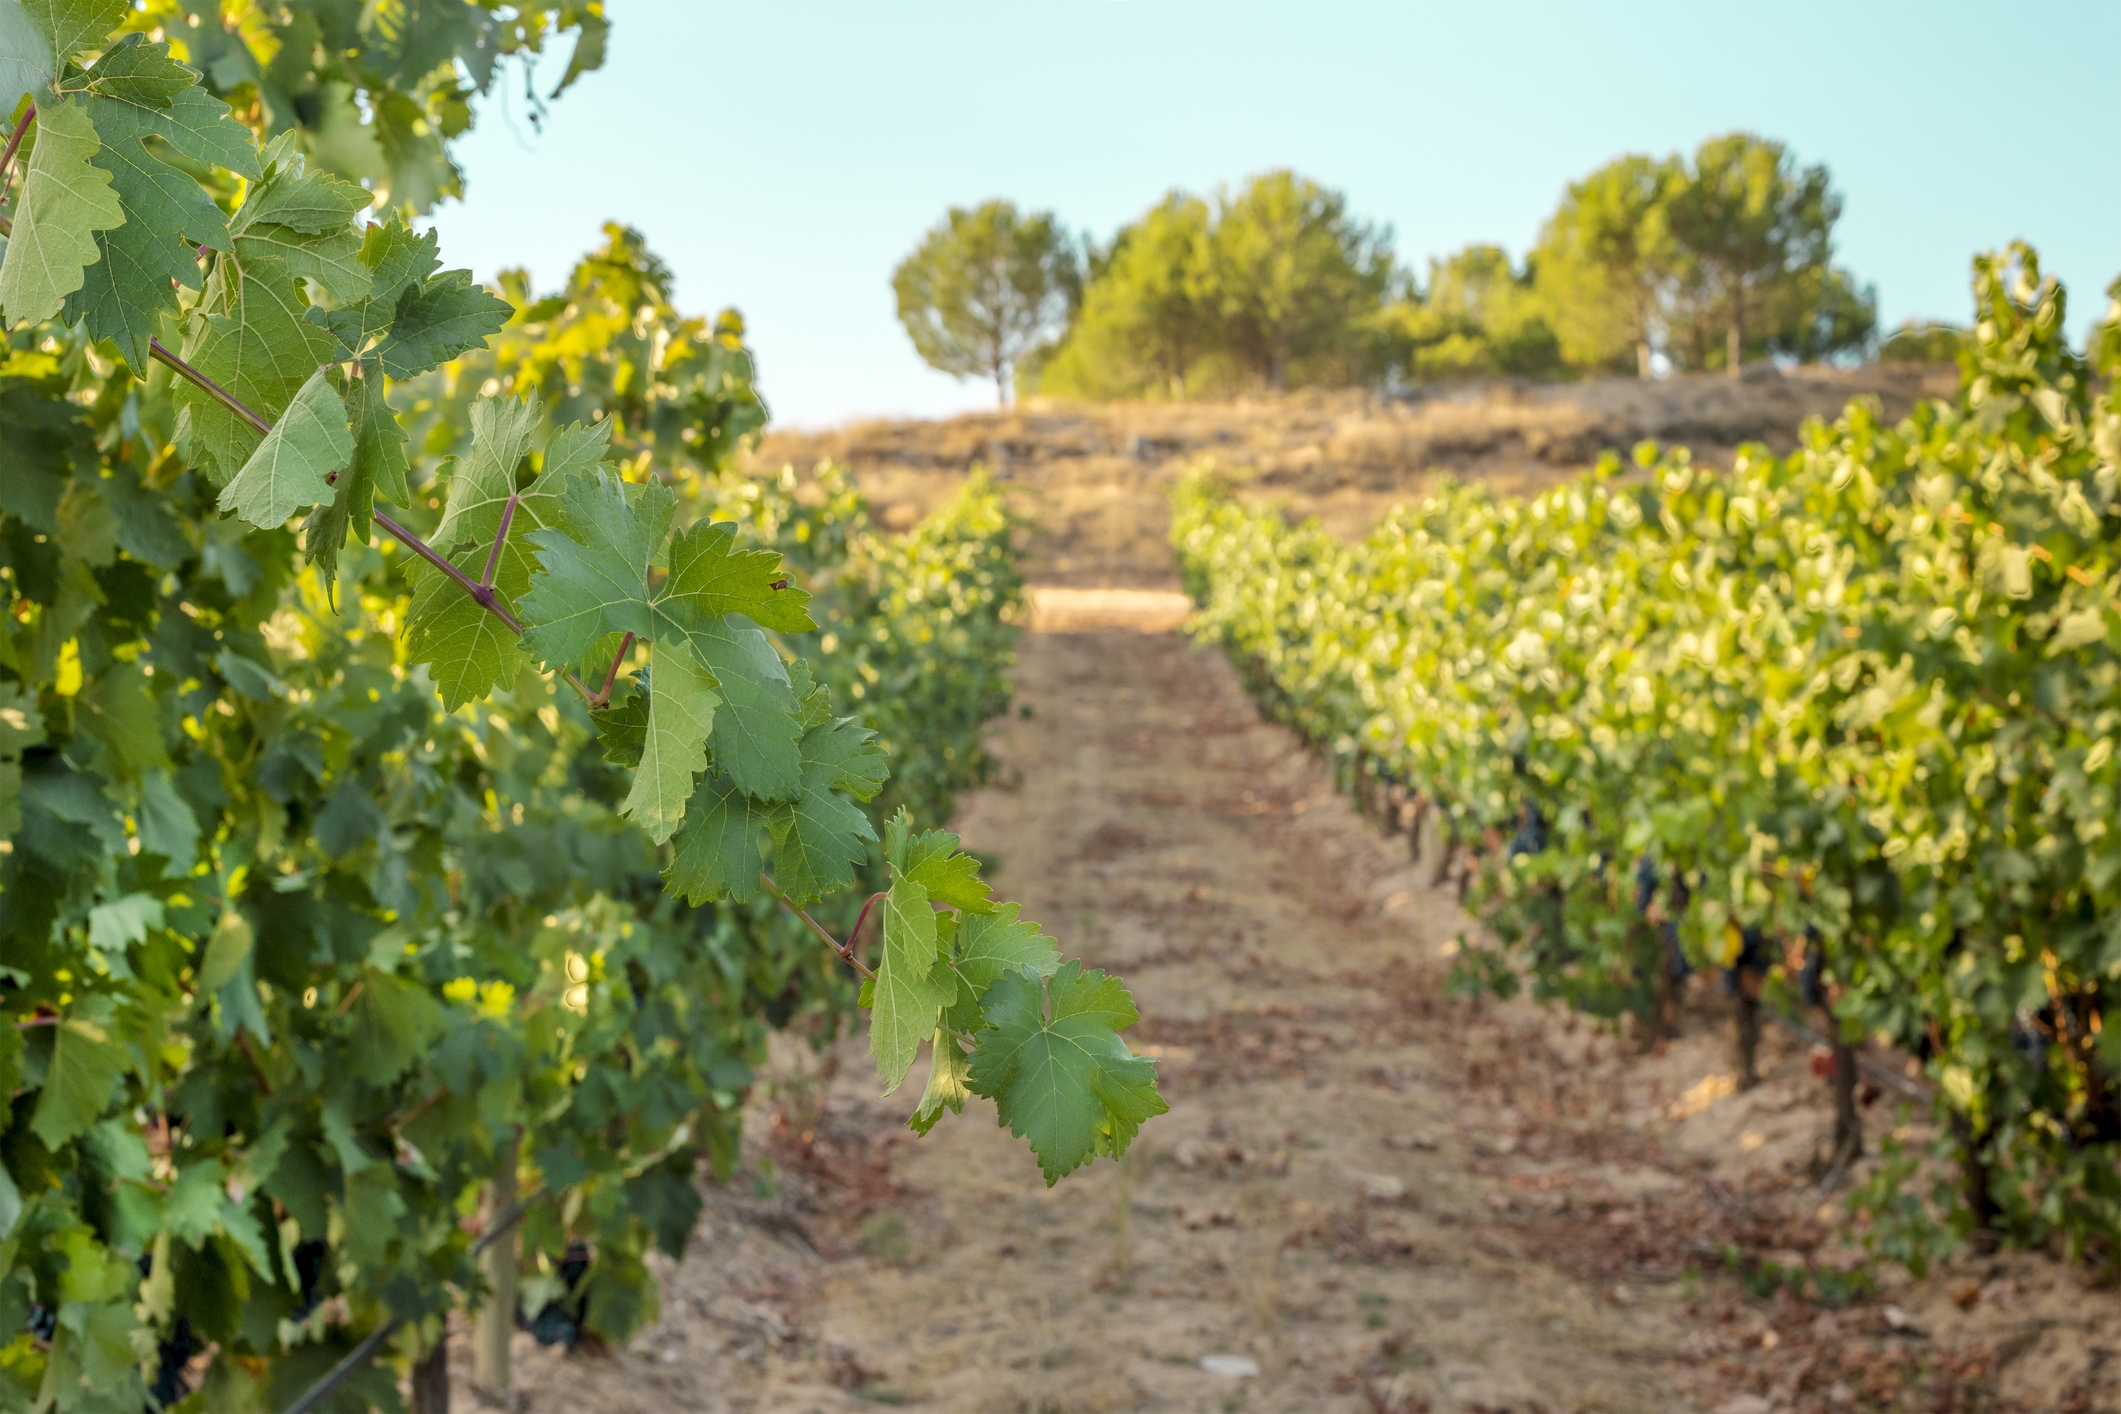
(495, 1323)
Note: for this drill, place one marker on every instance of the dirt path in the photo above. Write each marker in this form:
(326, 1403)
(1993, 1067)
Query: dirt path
(1315, 1200)
(1378, 1198)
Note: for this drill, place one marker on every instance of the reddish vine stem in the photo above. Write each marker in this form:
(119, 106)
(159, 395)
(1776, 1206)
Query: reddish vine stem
(500, 538)
(854, 934)
(483, 593)
(845, 950)
(14, 140)
(440, 1094)
(250, 1054)
(207, 385)
(603, 697)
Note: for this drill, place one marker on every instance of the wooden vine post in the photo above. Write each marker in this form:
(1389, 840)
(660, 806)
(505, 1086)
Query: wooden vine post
(496, 1321)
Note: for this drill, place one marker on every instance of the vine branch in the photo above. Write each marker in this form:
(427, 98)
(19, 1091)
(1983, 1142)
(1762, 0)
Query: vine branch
(500, 538)
(481, 590)
(854, 934)
(207, 385)
(7, 156)
(603, 697)
(845, 950)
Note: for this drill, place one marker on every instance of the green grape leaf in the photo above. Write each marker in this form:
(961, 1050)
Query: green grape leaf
(397, 258)
(27, 64)
(258, 361)
(503, 432)
(92, 1354)
(137, 92)
(139, 72)
(248, 332)
(820, 837)
(593, 575)
(400, 257)
(294, 195)
(331, 258)
(718, 853)
(287, 472)
(85, 1069)
(438, 318)
(148, 529)
(378, 465)
(947, 1087)
(710, 577)
(119, 710)
(1060, 1077)
(813, 699)
(990, 944)
(88, 527)
(195, 1202)
(898, 831)
(168, 826)
(65, 27)
(908, 1000)
(65, 199)
(37, 37)
(21, 724)
(470, 651)
(931, 859)
(379, 462)
(622, 724)
(588, 50)
(395, 1020)
(681, 703)
(117, 925)
(757, 733)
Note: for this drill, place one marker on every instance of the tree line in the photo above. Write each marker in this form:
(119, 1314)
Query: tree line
(1710, 262)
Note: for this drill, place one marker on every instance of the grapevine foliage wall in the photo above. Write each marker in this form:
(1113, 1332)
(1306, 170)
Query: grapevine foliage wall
(1860, 700)
(413, 739)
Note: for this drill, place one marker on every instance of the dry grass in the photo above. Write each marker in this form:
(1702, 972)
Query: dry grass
(1093, 474)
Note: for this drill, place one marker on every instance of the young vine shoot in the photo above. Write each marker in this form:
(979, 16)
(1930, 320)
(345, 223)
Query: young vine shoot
(375, 816)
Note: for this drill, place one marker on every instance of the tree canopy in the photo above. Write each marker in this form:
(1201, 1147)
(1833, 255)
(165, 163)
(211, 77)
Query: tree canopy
(1755, 235)
(1273, 286)
(1710, 260)
(1292, 276)
(1603, 258)
(1478, 314)
(1146, 321)
(986, 290)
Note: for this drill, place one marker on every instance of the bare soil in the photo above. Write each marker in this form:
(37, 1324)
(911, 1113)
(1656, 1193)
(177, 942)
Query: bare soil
(1385, 1198)
(1093, 475)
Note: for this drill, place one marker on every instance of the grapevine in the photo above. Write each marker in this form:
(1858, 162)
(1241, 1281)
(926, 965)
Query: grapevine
(373, 821)
(1846, 717)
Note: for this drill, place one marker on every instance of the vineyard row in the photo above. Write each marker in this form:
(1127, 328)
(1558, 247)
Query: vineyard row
(1841, 723)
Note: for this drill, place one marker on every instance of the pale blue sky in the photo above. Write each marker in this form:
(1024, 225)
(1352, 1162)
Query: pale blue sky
(783, 156)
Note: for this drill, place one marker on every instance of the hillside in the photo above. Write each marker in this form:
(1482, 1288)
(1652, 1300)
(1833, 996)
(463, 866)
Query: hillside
(1092, 475)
